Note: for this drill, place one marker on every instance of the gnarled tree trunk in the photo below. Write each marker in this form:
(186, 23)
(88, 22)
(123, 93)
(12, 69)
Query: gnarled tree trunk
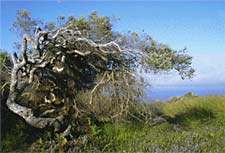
(50, 55)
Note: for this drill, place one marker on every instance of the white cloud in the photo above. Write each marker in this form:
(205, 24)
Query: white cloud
(210, 69)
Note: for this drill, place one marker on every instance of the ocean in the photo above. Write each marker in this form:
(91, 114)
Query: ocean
(162, 93)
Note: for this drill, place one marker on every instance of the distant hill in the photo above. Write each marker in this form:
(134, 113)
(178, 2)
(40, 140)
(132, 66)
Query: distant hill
(165, 92)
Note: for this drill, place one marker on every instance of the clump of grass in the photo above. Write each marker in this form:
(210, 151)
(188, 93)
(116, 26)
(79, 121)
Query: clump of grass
(192, 109)
(182, 104)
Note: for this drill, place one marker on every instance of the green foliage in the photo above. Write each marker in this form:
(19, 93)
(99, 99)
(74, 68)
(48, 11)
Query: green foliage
(5, 62)
(101, 27)
(81, 23)
(24, 23)
(94, 27)
(163, 58)
(95, 130)
(49, 26)
(2, 59)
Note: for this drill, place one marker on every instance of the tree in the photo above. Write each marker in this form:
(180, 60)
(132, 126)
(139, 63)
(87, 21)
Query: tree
(82, 67)
(24, 23)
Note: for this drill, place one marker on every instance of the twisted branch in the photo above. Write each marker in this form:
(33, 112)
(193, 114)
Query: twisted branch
(25, 112)
(64, 41)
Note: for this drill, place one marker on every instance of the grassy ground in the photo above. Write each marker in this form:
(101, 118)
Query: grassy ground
(191, 124)
(194, 124)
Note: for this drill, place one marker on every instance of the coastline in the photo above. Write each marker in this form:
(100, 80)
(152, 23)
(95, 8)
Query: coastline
(162, 93)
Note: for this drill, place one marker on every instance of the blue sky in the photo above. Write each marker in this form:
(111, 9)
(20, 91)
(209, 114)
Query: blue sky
(199, 26)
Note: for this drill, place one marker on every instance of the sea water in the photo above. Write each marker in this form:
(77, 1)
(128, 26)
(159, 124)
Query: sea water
(162, 93)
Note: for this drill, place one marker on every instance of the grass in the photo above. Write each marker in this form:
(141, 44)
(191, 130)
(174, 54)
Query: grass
(193, 124)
